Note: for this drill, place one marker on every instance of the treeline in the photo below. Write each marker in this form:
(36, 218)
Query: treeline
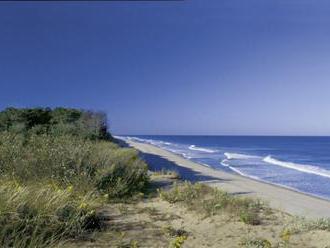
(57, 168)
(58, 121)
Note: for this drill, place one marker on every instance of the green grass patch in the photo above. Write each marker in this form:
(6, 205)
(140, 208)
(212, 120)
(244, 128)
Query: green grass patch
(211, 201)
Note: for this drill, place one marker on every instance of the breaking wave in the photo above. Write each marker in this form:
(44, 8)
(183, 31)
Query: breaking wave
(201, 149)
(270, 160)
(299, 167)
(238, 156)
(225, 163)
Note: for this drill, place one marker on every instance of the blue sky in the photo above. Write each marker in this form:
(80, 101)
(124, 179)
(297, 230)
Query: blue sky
(187, 67)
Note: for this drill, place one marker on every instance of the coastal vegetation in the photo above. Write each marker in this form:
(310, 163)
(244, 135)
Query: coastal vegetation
(184, 214)
(65, 182)
(172, 174)
(56, 122)
(57, 168)
(210, 201)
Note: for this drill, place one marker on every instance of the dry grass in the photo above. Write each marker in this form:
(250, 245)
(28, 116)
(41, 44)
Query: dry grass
(210, 201)
(52, 186)
(171, 174)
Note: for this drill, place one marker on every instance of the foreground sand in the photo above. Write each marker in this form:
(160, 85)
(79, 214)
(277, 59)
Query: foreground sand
(286, 200)
(148, 223)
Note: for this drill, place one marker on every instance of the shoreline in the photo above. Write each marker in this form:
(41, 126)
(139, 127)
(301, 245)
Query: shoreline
(279, 197)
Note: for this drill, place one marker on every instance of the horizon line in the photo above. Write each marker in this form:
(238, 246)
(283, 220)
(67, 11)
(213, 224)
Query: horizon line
(238, 135)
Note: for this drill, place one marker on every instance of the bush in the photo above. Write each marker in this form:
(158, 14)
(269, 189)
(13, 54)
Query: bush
(59, 121)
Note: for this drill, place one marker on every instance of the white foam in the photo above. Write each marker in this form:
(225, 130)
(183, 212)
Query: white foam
(137, 139)
(185, 155)
(165, 143)
(148, 141)
(299, 167)
(224, 162)
(206, 165)
(201, 149)
(238, 156)
(243, 174)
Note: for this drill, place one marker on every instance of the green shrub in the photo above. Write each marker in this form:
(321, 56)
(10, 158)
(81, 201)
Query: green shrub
(58, 121)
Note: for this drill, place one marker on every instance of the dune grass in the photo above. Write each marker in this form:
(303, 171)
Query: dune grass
(301, 225)
(40, 215)
(210, 201)
(53, 183)
(171, 174)
(51, 186)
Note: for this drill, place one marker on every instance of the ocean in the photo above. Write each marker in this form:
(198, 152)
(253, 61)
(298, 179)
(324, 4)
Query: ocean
(299, 163)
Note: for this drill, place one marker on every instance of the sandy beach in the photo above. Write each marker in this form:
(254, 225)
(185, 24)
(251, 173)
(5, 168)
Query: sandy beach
(284, 199)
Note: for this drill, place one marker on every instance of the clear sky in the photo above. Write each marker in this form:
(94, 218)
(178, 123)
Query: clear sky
(187, 67)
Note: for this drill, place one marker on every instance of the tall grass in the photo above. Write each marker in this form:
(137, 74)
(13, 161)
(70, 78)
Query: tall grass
(51, 186)
(39, 215)
(70, 160)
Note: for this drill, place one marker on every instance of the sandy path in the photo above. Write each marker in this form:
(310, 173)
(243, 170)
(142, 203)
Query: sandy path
(280, 198)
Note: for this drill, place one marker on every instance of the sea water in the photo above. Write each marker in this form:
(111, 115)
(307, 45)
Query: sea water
(299, 163)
